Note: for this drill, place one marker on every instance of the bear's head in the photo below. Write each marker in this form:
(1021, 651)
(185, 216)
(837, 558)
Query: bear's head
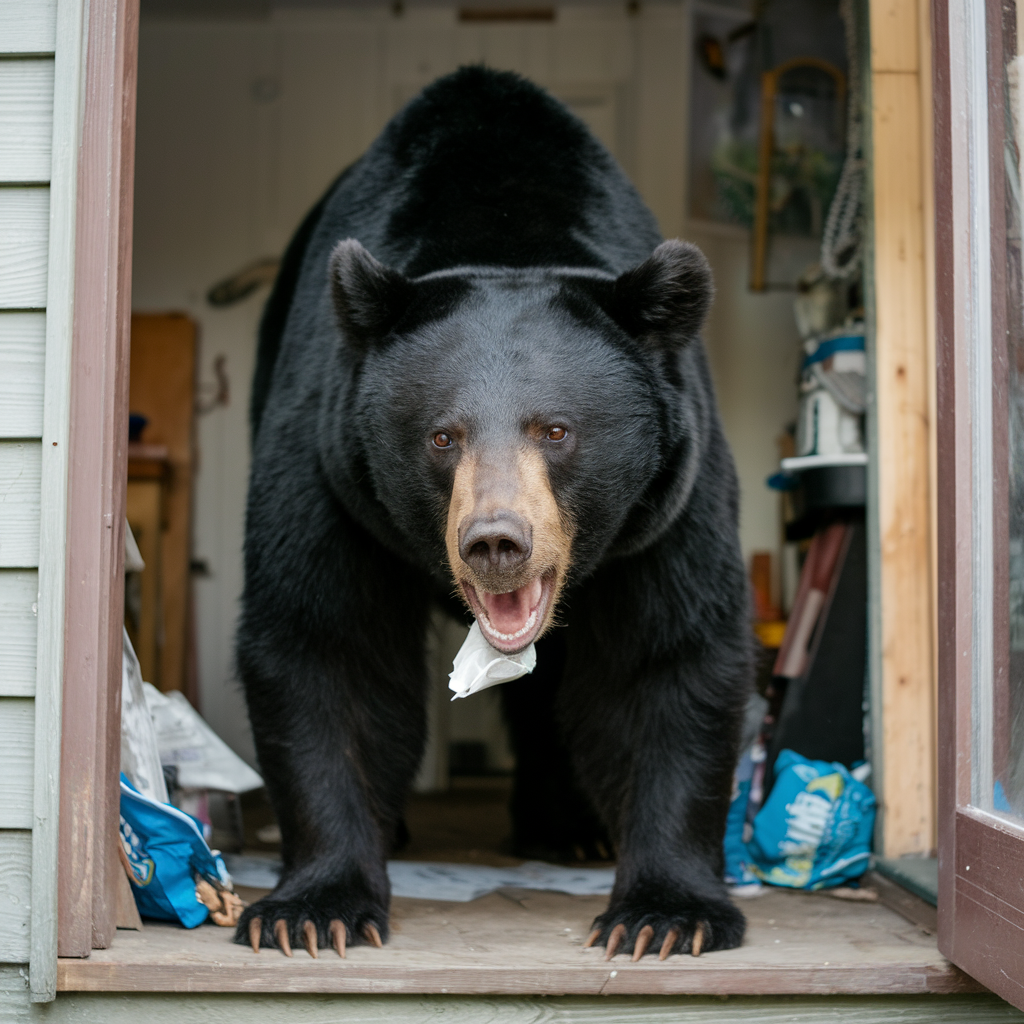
(513, 427)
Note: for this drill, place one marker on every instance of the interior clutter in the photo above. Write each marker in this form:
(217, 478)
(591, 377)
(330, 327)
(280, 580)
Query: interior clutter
(776, 168)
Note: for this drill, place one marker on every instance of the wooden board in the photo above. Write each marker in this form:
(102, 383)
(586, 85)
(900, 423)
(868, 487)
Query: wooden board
(904, 696)
(17, 730)
(163, 372)
(26, 119)
(18, 634)
(28, 26)
(24, 247)
(20, 472)
(22, 344)
(15, 871)
(143, 511)
(520, 942)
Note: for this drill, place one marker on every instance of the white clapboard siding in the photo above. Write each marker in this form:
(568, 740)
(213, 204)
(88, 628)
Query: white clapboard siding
(19, 595)
(22, 345)
(26, 119)
(20, 490)
(24, 247)
(28, 26)
(15, 890)
(17, 730)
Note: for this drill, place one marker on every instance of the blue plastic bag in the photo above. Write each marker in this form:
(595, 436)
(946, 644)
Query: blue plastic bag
(165, 850)
(737, 860)
(815, 828)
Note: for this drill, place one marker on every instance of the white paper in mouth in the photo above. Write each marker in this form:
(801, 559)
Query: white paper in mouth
(478, 665)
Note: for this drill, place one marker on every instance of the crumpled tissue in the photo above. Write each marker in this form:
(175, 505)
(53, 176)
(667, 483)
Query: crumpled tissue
(478, 665)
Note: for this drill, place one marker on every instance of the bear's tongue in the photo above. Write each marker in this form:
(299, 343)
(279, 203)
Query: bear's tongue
(512, 613)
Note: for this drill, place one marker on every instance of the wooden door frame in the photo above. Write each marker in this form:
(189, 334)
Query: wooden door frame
(87, 860)
(94, 603)
(980, 914)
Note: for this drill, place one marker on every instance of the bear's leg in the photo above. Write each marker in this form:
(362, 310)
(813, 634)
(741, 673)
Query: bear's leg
(336, 691)
(656, 752)
(552, 819)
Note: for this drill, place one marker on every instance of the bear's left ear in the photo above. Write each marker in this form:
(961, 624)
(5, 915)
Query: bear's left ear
(666, 298)
(369, 298)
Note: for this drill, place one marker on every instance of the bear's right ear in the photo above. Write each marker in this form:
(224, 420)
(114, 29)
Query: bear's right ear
(369, 298)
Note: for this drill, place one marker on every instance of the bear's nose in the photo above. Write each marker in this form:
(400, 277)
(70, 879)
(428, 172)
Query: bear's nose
(496, 543)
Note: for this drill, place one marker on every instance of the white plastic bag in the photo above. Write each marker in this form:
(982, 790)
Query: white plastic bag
(478, 665)
(140, 754)
(203, 759)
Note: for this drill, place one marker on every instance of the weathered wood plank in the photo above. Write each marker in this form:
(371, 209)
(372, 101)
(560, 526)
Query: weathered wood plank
(28, 26)
(20, 463)
(19, 592)
(17, 728)
(285, 1008)
(15, 889)
(533, 945)
(26, 119)
(24, 247)
(22, 348)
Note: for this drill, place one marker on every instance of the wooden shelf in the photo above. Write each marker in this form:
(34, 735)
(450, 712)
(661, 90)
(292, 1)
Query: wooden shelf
(530, 943)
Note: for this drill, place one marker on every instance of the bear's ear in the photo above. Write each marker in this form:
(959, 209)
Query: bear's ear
(369, 298)
(666, 298)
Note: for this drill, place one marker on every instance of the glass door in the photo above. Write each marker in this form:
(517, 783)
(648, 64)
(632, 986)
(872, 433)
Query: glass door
(979, 131)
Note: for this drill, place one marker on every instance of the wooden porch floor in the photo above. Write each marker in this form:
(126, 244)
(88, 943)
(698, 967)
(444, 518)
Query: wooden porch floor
(519, 942)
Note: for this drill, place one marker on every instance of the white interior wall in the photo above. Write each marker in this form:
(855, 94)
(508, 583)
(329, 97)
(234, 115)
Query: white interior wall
(243, 124)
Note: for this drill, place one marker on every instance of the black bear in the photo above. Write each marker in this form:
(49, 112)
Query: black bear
(480, 374)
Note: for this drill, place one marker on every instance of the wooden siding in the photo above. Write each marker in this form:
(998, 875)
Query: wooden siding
(17, 725)
(15, 872)
(19, 592)
(24, 245)
(28, 26)
(29, 251)
(19, 504)
(26, 119)
(22, 344)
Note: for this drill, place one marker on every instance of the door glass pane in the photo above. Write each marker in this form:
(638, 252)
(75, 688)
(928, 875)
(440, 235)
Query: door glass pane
(1008, 451)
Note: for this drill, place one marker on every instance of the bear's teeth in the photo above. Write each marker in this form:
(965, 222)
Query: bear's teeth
(517, 634)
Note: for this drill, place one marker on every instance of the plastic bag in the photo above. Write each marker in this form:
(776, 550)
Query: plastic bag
(167, 860)
(478, 665)
(203, 760)
(140, 754)
(815, 828)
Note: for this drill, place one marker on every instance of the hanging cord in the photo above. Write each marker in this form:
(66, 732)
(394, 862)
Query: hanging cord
(841, 241)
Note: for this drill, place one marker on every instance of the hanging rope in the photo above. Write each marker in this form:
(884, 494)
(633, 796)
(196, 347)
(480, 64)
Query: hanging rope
(841, 241)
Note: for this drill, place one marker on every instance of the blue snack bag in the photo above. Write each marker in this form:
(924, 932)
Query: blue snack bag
(815, 828)
(165, 851)
(734, 846)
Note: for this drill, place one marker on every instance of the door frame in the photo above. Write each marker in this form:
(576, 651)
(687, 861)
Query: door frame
(981, 917)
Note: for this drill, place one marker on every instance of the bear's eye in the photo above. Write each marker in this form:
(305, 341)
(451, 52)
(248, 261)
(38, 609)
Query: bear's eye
(442, 440)
(556, 433)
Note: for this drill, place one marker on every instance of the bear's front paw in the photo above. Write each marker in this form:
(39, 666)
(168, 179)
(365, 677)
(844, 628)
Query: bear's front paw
(664, 919)
(325, 916)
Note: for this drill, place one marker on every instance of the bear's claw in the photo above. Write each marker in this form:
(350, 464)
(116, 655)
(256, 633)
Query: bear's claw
(692, 925)
(288, 925)
(643, 940)
(281, 935)
(310, 939)
(338, 936)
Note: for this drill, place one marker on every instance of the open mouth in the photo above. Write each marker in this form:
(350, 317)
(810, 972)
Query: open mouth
(511, 622)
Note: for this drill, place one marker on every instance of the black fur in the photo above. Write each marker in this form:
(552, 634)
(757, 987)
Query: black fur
(511, 282)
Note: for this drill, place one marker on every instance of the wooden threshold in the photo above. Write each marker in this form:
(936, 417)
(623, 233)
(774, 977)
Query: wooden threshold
(519, 942)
